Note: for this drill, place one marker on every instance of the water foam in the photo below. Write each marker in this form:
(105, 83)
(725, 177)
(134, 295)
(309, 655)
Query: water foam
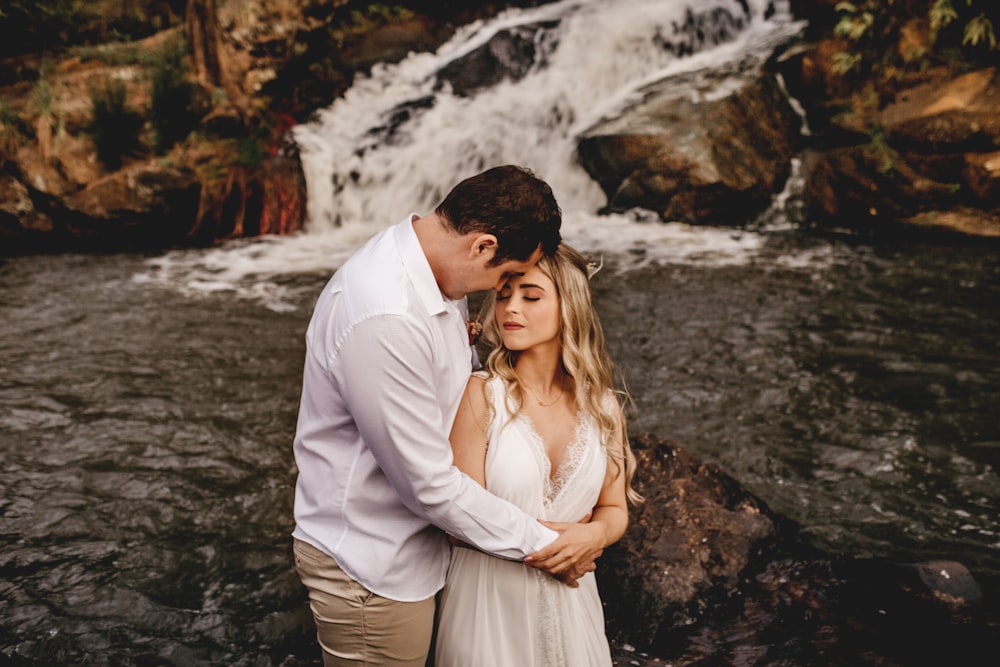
(366, 169)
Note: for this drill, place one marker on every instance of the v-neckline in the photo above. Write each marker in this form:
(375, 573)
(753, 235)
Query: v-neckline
(556, 476)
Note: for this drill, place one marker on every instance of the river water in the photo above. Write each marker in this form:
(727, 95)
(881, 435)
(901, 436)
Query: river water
(148, 402)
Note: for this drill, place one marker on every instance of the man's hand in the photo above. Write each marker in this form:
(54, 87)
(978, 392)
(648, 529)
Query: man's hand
(573, 554)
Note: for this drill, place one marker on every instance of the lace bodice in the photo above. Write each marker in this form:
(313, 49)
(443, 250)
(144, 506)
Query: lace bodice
(565, 494)
(556, 481)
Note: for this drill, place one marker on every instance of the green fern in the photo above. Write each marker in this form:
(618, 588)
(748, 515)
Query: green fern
(979, 29)
(853, 24)
(941, 14)
(845, 62)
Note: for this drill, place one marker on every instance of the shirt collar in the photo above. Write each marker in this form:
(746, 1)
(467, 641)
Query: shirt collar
(418, 269)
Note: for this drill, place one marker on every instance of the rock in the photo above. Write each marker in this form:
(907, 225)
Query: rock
(388, 43)
(22, 226)
(145, 205)
(14, 199)
(274, 60)
(282, 200)
(911, 151)
(851, 188)
(946, 113)
(949, 582)
(692, 539)
(964, 220)
(814, 610)
(908, 180)
(982, 175)
(508, 55)
(824, 96)
(225, 120)
(266, 199)
(708, 147)
(707, 574)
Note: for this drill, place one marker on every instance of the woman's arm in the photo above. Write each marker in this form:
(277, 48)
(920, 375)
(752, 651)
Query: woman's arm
(468, 433)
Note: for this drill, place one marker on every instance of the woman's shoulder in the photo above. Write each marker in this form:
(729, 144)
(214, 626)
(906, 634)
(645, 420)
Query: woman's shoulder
(482, 386)
(483, 377)
(490, 388)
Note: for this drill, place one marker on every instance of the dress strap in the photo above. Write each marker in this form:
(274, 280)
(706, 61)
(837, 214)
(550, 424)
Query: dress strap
(496, 395)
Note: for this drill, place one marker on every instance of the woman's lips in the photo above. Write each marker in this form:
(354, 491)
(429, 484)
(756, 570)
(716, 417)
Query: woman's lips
(512, 326)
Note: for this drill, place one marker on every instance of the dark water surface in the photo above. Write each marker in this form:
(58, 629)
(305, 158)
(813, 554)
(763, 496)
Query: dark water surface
(146, 436)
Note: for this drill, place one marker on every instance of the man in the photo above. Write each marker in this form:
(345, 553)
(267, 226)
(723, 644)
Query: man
(387, 360)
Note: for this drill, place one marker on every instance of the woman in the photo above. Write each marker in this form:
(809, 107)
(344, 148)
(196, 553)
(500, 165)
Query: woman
(542, 428)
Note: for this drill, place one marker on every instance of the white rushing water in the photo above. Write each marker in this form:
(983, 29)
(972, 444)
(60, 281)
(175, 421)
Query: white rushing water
(365, 172)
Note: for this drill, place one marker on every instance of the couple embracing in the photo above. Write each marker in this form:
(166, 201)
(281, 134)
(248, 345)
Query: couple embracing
(485, 540)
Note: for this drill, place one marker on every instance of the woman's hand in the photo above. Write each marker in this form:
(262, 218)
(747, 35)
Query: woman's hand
(572, 555)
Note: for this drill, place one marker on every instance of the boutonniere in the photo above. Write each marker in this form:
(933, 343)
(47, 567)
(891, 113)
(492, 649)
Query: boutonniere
(475, 329)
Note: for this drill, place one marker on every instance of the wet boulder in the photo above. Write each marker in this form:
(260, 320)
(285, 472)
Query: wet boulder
(707, 574)
(145, 205)
(946, 114)
(22, 225)
(691, 539)
(934, 165)
(711, 146)
(509, 54)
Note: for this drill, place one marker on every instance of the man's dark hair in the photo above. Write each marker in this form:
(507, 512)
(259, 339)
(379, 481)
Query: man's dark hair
(512, 204)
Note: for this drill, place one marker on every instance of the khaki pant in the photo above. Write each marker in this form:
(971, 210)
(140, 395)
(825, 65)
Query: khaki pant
(357, 627)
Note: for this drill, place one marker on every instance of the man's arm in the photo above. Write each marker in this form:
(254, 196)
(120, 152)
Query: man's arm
(386, 374)
(576, 549)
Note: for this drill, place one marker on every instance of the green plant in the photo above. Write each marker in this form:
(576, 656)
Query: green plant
(114, 54)
(43, 96)
(249, 152)
(845, 62)
(7, 115)
(980, 29)
(957, 28)
(114, 127)
(171, 95)
(879, 147)
(10, 120)
(853, 23)
(941, 14)
(974, 19)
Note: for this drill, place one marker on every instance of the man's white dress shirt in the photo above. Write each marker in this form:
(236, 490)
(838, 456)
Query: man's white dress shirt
(387, 360)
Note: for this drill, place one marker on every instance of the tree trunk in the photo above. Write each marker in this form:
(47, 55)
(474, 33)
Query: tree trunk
(205, 37)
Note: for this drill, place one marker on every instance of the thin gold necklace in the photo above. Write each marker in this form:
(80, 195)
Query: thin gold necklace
(562, 390)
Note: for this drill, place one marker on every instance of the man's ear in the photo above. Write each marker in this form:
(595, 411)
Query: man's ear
(483, 244)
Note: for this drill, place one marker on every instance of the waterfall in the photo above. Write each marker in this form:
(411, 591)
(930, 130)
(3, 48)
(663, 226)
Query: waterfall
(591, 55)
(403, 135)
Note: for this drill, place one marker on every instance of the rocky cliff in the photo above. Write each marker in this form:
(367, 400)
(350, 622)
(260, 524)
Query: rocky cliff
(124, 144)
(176, 132)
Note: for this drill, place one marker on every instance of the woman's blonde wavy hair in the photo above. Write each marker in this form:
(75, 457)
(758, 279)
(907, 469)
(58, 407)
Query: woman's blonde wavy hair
(584, 357)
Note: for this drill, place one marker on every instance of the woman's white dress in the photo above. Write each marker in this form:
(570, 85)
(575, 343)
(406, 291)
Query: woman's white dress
(503, 613)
